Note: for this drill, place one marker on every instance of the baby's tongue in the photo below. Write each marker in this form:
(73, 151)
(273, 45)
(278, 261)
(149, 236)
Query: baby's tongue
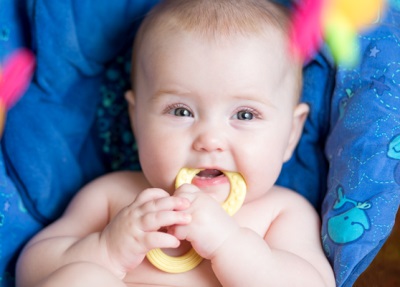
(209, 173)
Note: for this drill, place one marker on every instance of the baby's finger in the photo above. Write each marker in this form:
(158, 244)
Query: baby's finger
(179, 231)
(186, 191)
(154, 240)
(156, 220)
(165, 203)
(150, 194)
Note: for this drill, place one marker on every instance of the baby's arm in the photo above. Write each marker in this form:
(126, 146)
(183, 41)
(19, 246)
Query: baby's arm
(289, 255)
(106, 224)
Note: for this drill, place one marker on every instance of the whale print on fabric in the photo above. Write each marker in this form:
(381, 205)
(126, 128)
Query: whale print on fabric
(394, 153)
(350, 224)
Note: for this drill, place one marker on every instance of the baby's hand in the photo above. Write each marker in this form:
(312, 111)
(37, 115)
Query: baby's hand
(210, 225)
(135, 230)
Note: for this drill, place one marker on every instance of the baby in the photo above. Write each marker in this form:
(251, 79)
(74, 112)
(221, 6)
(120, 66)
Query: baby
(214, 89)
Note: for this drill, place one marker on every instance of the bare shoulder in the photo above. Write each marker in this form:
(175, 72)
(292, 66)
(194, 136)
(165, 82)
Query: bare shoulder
(282, 201)
(282, 213)
(117, 183)
(117, 189)
(103, 197)
(120, 180)
(294, 225)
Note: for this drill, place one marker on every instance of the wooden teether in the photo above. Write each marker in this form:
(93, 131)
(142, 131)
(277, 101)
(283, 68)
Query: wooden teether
(191, 259)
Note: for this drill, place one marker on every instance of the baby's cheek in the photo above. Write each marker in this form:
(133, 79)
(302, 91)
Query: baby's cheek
(158, 173)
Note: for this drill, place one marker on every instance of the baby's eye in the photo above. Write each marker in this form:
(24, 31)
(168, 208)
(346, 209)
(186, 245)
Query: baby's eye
(181, 112)
(245, 115)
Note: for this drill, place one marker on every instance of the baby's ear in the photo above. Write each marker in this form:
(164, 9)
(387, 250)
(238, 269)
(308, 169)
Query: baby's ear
(299, 118)
(130, 98)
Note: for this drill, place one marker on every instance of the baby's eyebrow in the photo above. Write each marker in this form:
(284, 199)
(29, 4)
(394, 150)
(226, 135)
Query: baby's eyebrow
(254, 98)
(246, 96)
(170, 92)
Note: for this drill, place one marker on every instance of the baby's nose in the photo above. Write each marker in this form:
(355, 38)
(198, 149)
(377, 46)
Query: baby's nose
(210, 139)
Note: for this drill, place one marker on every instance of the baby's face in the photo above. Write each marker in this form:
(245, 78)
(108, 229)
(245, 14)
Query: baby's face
(224, 105)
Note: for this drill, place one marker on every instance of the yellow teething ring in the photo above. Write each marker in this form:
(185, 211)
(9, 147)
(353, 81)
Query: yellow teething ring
(191, 259)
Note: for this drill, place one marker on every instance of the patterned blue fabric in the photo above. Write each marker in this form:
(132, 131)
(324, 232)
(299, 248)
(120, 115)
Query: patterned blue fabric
(72, 126)
(363, 150)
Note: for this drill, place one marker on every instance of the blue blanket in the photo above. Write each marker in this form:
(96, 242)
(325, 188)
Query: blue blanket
(71, 126)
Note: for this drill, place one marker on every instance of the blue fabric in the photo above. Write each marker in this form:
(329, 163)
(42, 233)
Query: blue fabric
(53, 154)
(72, 126)
(363, 149)
(50, 145)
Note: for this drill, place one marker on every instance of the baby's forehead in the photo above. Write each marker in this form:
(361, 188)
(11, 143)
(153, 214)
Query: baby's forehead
(163, 41)
(162, 37)
(171, 42)
(261, 60)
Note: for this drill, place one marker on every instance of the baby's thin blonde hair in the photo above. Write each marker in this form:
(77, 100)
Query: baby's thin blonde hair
(218, 18)
(215, 20)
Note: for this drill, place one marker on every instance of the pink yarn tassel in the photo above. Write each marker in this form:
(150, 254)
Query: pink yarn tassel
(306, 29)
(16, 76)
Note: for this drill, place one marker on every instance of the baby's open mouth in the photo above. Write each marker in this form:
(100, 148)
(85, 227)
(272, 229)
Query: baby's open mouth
(214, 182)
(209, 173)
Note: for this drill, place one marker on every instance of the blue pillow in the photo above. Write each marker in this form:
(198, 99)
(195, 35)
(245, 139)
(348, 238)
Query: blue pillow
(363, 149)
